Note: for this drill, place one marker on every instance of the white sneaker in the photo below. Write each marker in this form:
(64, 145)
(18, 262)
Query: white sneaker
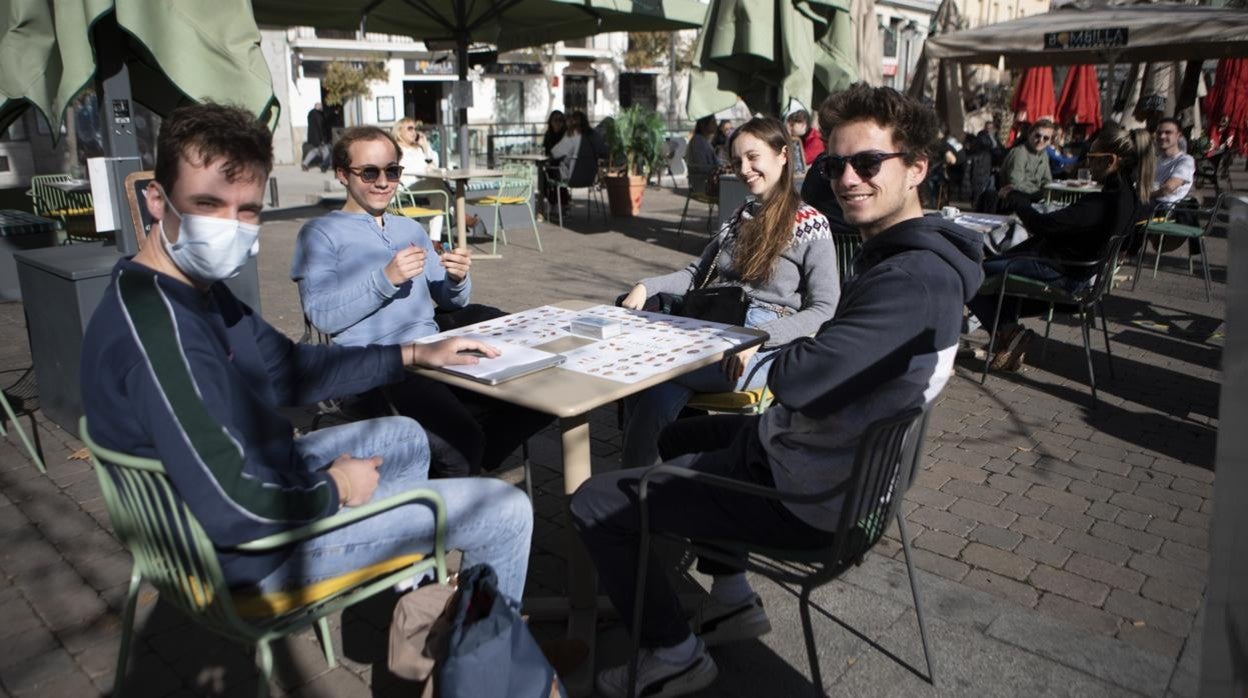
(659, 679)
(716, 623)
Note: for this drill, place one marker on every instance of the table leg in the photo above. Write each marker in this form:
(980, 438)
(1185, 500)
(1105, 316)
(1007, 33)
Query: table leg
(461, 230)
(582, 579)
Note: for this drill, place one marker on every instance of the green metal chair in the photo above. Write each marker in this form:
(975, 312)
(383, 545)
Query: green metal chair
(406, 203)
(22, 398)
(885, 462)
(515, 189)
(697, 178)
(1157, 230)
(173, 553)
(847, 245)
(74, 210)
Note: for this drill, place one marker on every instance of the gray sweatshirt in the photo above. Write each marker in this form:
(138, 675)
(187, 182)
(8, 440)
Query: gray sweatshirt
(804, 283)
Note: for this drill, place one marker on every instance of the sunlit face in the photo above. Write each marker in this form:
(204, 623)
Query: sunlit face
(204, 190)
(1040, 139)
(875, 203)
(1168, 137)
(370, 198)
(757, 164)
(407, 134)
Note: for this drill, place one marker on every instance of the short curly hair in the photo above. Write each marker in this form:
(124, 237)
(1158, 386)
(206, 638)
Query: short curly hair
(204, 133)
(915, 126)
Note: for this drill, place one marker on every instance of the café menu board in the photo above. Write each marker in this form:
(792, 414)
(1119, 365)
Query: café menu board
(650, 343)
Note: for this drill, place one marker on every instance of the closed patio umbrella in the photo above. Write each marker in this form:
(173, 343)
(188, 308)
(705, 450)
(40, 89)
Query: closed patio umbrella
(941, 81)
(1228, 98)
(771, 52)
(1080, 101)
(1033, 98)
(49, 53)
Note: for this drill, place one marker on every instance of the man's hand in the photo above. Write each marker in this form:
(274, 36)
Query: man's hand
(457, 263)
(1005, 191)
(455, 351)
(356, 478)
(406, 264)
(734, 364)
(635, 299)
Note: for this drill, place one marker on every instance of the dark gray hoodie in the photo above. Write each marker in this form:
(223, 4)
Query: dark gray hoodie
(889, 347)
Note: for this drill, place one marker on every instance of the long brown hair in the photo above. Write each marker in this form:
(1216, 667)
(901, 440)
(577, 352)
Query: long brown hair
(1134, 149)
(767, 234)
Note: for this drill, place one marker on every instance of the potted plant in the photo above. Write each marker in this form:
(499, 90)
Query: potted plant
(636, 148)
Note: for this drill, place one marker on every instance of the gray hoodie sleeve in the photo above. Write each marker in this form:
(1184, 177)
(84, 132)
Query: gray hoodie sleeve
(821, 280)
(678, 282)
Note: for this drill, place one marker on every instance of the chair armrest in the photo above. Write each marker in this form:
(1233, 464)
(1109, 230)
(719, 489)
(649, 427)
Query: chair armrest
(736, 485)
(352, 515)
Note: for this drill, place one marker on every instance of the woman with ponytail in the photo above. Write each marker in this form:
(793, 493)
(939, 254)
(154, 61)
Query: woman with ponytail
(1122, 162)
(776, 248)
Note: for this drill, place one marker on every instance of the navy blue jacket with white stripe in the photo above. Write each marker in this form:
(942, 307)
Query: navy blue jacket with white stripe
(194, 379)
(889, 347)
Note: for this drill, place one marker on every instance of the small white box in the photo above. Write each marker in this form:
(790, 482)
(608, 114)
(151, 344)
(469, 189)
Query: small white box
(595, 327)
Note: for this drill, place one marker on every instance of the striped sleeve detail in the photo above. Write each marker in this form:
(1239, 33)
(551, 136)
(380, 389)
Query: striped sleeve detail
(213, 449)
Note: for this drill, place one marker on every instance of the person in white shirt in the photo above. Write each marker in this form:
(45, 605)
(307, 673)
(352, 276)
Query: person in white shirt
(418, 155)
(1176, 170)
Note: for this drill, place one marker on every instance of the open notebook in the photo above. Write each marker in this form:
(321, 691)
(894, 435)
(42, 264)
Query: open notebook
(514, 361)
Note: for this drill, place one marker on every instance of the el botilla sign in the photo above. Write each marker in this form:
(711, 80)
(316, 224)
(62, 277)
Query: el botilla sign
(1084, 39)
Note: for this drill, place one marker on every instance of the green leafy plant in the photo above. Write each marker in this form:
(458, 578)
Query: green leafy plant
(345, 81)
(635, 139)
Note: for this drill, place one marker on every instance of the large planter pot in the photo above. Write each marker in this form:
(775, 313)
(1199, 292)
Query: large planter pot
(624, 193)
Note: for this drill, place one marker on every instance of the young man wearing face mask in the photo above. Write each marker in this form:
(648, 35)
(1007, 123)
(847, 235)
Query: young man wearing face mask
(370, 277)
(176, 368)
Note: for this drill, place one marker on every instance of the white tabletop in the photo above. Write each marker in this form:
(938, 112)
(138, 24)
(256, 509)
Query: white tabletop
(443, 173)
(531, 157)
(1070, 186)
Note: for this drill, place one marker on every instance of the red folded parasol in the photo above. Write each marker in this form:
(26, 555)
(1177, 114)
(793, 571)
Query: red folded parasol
(1228, 98)
(1033, 100)
(1080, 102)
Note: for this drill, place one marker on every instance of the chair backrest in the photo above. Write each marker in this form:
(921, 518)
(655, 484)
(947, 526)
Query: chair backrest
(887, 457)
(847, 246)
(1219, 217)
(171, 550)
(48, 199)
(515, 186)
(698, 177)
(1104, 270)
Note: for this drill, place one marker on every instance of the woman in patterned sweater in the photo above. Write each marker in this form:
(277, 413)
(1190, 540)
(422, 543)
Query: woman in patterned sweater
(776, 248)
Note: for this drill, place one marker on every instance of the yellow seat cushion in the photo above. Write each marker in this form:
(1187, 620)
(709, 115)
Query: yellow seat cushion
(419, 212)
(735, 401)
(503, 200)
(71, 212)
(253, 605)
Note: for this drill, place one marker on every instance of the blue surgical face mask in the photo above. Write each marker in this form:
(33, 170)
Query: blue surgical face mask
(210, 249)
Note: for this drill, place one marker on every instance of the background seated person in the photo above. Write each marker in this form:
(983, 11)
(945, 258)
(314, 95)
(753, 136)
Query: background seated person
(1122, 163)
(801, 130)
(889, 347)
(183, 372)
(1176, 170)
(776, 248)
(370, 277)
(419, 156)
(1026, 169)
(1060, 161)
(564, 156)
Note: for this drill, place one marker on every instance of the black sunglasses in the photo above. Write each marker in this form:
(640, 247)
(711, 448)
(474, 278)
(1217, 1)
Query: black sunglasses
(370, 173)
(867, 164)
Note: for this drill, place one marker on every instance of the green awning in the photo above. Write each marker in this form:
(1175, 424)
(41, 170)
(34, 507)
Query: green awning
(770, 52)
(176, 51)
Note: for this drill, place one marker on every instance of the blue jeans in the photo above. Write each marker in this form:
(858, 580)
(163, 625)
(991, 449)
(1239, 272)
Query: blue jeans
(489, 520)
(983, 306)
(648, 412)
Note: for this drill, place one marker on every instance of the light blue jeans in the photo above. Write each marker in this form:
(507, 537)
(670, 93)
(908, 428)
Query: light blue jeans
(489, 520)
(647, 413)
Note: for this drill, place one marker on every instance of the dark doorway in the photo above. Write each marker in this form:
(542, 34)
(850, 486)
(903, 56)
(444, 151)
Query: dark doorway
(638, 88)
(575, 93)
(421, 100)
(333, 113)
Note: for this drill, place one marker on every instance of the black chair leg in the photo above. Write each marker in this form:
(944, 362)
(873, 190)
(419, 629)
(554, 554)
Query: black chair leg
(914, 591)
(680, 228)
(1204, 264)
(34, 435)
(528, 470)
(1109, 356)
(1087, 352)
(812, 654)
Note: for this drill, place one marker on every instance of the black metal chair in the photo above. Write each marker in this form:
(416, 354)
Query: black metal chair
(1157, 231)
(21, 397)
(847, 246)
(1086, 298)
(697, 177)
(886, 460)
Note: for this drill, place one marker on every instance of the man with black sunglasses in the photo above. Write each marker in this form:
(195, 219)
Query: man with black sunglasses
(370, 277)
(889, 347)
(1026, 171)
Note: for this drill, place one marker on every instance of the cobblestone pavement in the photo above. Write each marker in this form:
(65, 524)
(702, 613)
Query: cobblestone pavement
(1063, 547)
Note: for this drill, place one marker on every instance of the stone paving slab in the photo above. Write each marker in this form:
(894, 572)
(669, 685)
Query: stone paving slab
(1062, 548)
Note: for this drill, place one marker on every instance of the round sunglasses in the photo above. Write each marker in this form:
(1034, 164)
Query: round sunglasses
(369, 173)
(866, 164)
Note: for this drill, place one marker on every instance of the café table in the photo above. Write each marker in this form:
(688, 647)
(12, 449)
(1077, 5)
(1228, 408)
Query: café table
(1000, 231)
(1068, 191)
(70, 186)
(461, 177)
(571, 396)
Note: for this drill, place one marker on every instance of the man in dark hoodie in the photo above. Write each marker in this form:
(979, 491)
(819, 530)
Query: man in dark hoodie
(889, 347)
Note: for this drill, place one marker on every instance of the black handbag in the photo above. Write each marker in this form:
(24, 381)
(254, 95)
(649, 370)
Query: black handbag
(723, 304)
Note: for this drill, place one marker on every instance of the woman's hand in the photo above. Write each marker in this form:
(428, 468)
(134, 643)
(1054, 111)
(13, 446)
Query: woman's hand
(734, 364)
(636, 298)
